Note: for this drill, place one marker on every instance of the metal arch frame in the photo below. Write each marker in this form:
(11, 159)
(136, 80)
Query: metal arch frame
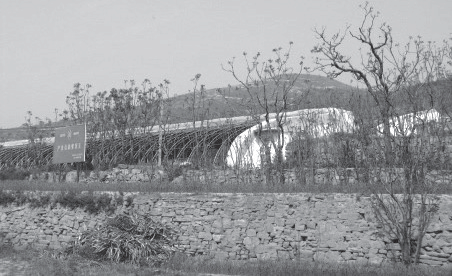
(117, 150)
(141, 143)
(170, 143)
(233, 132)
(145, 146)
(193, 142)
(210, 136)
(152, 146)
(21, 156)
(102, 147)
(178, 138)
(48, 154)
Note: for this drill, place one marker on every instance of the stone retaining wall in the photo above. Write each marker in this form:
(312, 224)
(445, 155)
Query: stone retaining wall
(145, 173)
(327, 227)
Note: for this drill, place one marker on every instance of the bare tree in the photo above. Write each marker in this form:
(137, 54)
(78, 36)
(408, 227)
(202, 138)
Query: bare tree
(78, 101)
(400, 79)
(115, 120)
(269, 88)
(199, 106)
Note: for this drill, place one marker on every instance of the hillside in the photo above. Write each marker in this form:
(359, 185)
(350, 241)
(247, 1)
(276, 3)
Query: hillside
(309, 91)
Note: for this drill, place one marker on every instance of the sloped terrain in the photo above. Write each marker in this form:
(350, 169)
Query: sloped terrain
(309, 91)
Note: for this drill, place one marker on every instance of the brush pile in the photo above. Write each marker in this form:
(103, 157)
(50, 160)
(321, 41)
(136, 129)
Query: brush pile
(134, 239)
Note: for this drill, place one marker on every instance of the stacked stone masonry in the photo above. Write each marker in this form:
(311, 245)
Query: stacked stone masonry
(222, 177)
(325, 227)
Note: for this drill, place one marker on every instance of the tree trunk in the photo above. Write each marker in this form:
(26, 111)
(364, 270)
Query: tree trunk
(389, 154)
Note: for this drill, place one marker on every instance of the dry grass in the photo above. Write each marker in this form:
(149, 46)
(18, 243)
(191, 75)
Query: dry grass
(194, 187)
(43, 263)
(292, 267)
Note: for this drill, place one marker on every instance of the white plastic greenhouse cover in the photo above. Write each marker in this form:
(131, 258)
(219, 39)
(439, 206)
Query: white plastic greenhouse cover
(404, 125)
(245, 151)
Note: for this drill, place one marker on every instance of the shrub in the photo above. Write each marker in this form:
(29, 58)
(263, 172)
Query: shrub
(43, 200)
(11, 173)
(6, 198)
(129, 201)
(20, 198)
(92, 204)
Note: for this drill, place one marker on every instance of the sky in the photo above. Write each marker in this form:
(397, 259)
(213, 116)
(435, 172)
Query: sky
(46, 46)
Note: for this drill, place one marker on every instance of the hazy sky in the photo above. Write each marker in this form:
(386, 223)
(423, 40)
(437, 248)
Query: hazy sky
(48, 45)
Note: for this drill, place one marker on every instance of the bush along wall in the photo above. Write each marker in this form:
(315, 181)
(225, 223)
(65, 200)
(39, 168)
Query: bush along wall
(323, 227)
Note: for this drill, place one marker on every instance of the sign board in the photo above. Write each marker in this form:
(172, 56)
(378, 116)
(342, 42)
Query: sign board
(70, 144)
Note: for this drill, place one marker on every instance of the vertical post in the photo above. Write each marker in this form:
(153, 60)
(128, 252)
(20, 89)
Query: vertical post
(60, 170)
(160, 132)
(78, 171)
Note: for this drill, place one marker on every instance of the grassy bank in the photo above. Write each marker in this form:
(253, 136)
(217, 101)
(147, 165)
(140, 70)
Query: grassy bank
(196, 187)
(43, 263)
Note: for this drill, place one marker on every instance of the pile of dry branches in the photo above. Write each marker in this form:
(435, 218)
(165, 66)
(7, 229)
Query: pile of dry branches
(132, 239)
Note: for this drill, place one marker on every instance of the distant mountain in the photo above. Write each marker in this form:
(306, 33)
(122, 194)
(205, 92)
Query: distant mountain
(309, 91)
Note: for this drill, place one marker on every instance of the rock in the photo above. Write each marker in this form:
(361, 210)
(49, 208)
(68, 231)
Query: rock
(448, 250)
(306, 254)
(136, 171)
(71, 176)
(311, 225)
(251, 233)
(159, 174)
(376, 260)
(430, 262)
(291, 223)
(142, 177)
(283, 255)
(221, 255)
(438, 255)
(339, 246)
(268, 255)
(64, 238)
(103, 175)
(300, 226)
(205, 236)
(116, 170)
(124, 172)
(217, 224)
(361, 261)
(347, 256)
(377, 244)
(178, 181)
(217, 238)
(435, 227)
(393, 246)
(227, 223)
(329, 256)
(123, 166)
(169, 214)
(51, 177)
